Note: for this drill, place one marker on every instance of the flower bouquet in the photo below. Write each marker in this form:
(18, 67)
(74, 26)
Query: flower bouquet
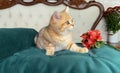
(92, 39)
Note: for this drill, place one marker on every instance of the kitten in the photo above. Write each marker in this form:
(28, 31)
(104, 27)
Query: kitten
(57, 35)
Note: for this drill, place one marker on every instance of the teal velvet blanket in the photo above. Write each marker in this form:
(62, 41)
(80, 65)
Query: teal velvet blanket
(29, 59)
(34, 60)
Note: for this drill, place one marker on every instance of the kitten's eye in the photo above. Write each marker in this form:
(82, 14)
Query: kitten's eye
(67, 22)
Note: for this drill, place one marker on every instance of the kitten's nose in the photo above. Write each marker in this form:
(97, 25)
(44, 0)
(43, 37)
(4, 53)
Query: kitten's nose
(72, 24)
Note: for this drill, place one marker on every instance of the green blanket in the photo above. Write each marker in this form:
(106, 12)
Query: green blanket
(33, 60)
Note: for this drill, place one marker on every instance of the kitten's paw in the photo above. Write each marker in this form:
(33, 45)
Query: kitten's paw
(50, 51)
(83, 50)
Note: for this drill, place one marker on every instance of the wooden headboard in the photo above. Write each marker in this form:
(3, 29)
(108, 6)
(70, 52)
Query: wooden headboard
(36, 13)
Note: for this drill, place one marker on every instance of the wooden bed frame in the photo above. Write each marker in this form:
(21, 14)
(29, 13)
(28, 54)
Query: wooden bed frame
(76, 4)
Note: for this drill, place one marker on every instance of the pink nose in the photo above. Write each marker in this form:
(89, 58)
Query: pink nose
(72, 24)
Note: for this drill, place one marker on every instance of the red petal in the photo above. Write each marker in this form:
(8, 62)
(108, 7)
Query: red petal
(84, 36)
(99, 38)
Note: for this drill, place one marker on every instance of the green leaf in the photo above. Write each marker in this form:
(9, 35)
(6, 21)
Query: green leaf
(98, 44)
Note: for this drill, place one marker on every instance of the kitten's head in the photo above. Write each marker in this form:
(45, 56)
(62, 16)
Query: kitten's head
(62, 21)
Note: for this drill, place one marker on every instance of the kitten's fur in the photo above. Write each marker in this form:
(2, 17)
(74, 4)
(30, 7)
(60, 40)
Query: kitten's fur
(57, 35)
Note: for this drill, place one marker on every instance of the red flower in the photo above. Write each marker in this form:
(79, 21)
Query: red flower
(90, 38)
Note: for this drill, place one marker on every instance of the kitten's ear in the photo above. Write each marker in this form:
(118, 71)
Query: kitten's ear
(66, 9)
(55, 16)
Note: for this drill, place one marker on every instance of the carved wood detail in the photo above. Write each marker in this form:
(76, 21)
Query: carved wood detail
(76, 4)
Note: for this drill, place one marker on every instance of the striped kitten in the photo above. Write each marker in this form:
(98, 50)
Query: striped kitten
(57, 35)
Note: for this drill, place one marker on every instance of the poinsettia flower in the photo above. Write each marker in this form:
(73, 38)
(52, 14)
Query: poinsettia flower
(91, 38)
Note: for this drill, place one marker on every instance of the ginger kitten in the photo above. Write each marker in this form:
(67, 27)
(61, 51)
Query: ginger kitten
(57, 35)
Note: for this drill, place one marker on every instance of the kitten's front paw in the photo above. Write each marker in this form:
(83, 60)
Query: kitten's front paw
(83, 50)
(50, 51)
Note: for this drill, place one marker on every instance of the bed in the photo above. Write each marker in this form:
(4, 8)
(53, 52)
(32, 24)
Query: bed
(20, 21)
